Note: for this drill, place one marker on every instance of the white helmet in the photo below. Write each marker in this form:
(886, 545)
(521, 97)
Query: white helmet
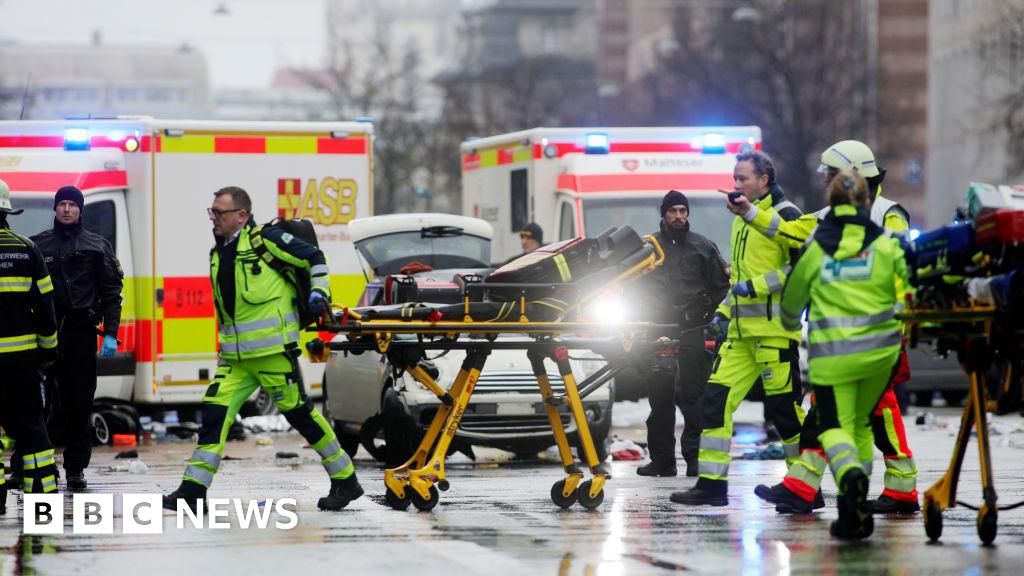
(849, 154)
(5, 200)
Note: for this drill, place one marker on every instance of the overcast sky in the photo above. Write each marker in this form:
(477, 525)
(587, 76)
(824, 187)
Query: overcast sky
(242, 48)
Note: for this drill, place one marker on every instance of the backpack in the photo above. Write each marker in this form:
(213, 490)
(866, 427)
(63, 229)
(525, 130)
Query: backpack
(302, 229)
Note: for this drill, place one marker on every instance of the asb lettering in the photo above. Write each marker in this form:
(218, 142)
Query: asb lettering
(326, 201)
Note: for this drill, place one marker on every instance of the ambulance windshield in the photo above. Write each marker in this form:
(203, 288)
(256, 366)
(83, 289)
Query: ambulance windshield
(708, 216)
(37, 215)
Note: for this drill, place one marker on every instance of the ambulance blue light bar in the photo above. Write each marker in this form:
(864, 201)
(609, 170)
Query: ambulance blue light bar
(714, 143)
(596, 143)
(76, 139)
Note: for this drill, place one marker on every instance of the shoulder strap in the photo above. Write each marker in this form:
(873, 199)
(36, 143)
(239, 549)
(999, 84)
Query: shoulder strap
(260, 248)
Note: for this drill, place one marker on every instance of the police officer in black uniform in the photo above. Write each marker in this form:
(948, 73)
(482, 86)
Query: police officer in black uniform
(28, 344)
(87, 280)
(684, 290)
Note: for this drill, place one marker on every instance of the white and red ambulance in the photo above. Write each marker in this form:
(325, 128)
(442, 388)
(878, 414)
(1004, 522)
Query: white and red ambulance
(580, 181)
(147, 184)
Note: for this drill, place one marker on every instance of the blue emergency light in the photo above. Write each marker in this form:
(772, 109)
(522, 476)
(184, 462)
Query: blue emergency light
(714, 143)
(76, 139)
(596, 143)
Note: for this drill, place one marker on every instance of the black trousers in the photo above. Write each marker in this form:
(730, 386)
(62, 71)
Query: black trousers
(21, 403)
(75, 377)
(71, 385)
(680, 383)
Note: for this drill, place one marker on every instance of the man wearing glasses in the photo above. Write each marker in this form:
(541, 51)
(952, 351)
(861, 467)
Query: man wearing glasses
(258, 317)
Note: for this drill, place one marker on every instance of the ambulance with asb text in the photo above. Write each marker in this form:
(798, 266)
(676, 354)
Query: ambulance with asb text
(147, 184)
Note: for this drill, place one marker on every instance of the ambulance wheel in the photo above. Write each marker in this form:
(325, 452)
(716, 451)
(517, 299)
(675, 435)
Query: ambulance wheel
(987, 525)
(394, 501)
(106, 423)
(583, 495)
(557, 495)
(100, 430)
(933, 520)
(420, 503)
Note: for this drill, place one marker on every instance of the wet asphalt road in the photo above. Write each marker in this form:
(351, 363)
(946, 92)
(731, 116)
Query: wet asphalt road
(497, 519)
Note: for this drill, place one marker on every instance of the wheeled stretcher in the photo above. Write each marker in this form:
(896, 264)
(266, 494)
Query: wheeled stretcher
(552, 312)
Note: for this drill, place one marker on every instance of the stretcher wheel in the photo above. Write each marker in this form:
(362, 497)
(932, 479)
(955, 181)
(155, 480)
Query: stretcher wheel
(420, 503)
(557, 497)
(987, 525)
(933, 520)
(583, 496)
(396, 502)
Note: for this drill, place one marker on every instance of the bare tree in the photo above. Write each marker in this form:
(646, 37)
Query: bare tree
(800, 69)
(999, 51)
(386, 89)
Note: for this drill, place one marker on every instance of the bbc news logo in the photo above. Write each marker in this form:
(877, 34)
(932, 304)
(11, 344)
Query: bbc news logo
(144, 514)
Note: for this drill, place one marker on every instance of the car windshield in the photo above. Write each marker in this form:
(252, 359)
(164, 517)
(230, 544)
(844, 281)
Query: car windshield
(708, 217)
(38, 215)
(437, 246)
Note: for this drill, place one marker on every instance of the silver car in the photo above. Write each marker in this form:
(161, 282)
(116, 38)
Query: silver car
(369, 404)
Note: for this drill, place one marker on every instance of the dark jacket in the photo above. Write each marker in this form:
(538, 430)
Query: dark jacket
(28, 330)
(87, 277)
(690, 284)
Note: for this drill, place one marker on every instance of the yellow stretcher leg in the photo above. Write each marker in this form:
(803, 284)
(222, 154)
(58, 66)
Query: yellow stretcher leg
(426, 467)
(563, 492)
(942, 494)
(590, 493)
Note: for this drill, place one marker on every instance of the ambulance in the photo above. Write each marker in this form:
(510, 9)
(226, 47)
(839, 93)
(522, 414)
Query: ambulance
(581, 181)
(147, 185)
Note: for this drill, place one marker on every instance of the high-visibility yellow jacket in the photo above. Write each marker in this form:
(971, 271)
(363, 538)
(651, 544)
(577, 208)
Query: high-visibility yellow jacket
(851, 275)
(760, 260)
(264, 318)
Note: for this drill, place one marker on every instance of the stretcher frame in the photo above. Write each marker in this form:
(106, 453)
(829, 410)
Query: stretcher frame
(969, 330)
(418, 480)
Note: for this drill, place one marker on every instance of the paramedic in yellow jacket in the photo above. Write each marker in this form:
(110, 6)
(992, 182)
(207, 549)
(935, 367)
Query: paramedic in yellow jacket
(758, 348)
(851, 274)
(258, 335)
(800, 490)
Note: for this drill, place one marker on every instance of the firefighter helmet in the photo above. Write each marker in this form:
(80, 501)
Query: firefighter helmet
(849, 154)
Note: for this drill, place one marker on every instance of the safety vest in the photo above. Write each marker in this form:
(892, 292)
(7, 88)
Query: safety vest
(758, 258)
(265, 318)
(852, 289)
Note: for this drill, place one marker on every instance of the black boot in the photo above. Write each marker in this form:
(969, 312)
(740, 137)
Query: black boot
(76, 480)
(782, 496)
(657, 469)
(855, 521)
(190, 493)
(342, 492)
(705, 493)
(886, 504)
(3, 498)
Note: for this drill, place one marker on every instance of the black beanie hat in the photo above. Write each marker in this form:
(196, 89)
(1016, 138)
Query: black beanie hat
(71, 193)
(673, 198)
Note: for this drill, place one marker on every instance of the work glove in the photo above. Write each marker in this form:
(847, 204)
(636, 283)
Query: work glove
(744, 289)
(109, 347)
(718, 328)
(318, 302)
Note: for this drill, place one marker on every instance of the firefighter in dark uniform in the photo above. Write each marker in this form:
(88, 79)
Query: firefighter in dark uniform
(684, 290)
(28, 344)
(87, 281)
